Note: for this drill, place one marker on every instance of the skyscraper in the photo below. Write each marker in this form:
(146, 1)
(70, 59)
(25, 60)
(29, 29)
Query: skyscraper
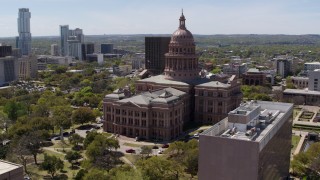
(75, 41)
(24, 41)
(155, 48)
(64, 34)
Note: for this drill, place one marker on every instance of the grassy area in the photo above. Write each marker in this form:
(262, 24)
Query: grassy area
(106, 134)
(59, 144)
(296, 112)
(295, 141)
(132, 158)
(36, 173)
(132, 144)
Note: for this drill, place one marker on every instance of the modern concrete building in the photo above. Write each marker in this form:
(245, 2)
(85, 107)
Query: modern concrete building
(54, 50)
(181, 75)
(314, 80)
(300, 82)
(28, 67)
(24, 41)
(64, 35)
(302, 96)
(310, 66)
(235, 69)
(8, 69)
(106, 48)
(137, 60)
(155, 49)
(253, 142)
(254, 77)
(10, 171)
(283, 67)
(44, 60)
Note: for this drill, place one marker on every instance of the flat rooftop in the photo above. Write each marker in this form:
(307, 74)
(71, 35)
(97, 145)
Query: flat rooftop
(252, 121)
(6, 166)
(301, 92)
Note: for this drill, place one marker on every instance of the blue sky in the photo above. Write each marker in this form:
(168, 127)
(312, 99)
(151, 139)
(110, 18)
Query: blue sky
(161, 16)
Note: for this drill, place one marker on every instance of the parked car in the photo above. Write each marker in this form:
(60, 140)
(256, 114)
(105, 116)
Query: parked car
(165, 146)
(130, 151)
(155, 147)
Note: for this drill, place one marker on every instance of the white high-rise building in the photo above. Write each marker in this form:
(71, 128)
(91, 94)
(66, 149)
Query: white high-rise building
(314, 80)
(70, 42)
(54, 50)
(75, 41)
(24, 42)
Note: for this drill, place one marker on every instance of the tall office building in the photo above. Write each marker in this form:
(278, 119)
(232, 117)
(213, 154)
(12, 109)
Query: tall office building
(5, 50)
(8, 69)
(155, 49)
(28, 67)
(283, 67)
(253, 142)
(54, 50)
(64, 35)
(75, 41)
(24, 41)
(87, 48)
(106, 48)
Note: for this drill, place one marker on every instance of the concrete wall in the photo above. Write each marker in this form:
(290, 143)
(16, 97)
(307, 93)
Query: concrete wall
(227, 159)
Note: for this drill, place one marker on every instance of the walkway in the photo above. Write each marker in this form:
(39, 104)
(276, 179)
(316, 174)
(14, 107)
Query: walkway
(303, 135)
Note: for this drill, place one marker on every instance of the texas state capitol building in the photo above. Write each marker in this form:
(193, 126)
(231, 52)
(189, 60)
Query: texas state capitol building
(164, 103)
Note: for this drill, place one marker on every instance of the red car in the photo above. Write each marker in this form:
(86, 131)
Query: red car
(165, 146)
(130, 151)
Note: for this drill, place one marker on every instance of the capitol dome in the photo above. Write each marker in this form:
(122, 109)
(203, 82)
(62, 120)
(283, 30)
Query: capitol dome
(182, 35)
(181, 62)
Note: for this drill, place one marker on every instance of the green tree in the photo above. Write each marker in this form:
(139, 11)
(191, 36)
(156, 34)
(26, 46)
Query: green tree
(307, 163)
(125, 172)
(80, 175)
(100, 152)
(62, 117)
(20, 151)
(75, 139)
(14, 110)
(52, 164)
(5, 122)
(33, 144)
(89, 138)
(73, 157)
(156, 167)
(96, 174)
(61, 69)
(83, 115)
(146, 151)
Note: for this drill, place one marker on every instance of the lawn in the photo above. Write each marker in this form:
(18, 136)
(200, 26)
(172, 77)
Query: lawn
(36, 173)
(133, 158)
(132, 144)
(294, 142)
(296, 112)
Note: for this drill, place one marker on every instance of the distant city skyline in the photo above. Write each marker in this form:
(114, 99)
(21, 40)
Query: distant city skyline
(97, 17)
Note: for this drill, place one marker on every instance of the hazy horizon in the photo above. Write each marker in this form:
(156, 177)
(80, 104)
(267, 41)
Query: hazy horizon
(204, 17)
